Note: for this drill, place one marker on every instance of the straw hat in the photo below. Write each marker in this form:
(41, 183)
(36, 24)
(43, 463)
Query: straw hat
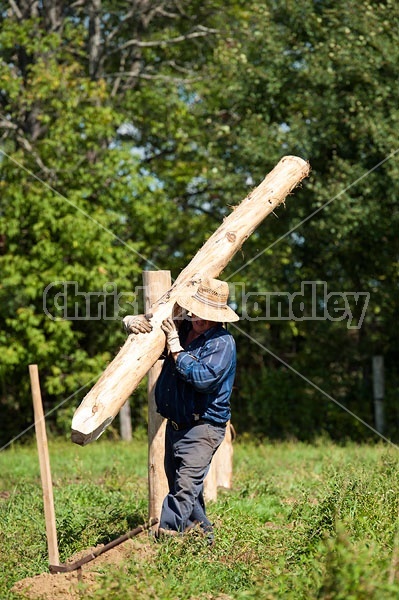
(209, 302)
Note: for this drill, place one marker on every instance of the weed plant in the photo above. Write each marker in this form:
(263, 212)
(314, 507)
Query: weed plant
(302, 521)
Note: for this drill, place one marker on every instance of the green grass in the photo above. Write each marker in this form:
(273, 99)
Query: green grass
(302, 521)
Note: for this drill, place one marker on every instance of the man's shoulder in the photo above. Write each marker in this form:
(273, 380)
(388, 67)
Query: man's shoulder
(221, 334)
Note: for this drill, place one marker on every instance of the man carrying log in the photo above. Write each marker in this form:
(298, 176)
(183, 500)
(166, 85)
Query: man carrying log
(193, 393)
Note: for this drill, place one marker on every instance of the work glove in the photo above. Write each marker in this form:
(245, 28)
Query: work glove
(172, 337)
(137, 323)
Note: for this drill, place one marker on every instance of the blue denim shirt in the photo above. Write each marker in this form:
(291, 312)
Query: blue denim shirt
(200, 382)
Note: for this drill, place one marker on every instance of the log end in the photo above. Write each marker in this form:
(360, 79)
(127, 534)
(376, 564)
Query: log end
(82, 439)
(298, 163)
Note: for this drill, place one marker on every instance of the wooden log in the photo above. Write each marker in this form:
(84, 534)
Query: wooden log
(156, 283)
(44, 462)
(140, 352)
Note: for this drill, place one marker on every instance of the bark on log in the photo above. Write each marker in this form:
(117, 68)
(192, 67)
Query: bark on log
(140, 352)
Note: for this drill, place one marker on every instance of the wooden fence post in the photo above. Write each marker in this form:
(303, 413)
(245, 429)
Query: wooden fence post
(125, 422)
(210, 483)
(378, 392)
(221, 471)
(45, 472)
(156, 283)
(224, 460)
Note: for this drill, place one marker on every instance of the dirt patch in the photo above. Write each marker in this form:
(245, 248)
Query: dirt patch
(69, 586)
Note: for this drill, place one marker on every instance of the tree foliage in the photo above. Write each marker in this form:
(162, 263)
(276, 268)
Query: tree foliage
(127, 132)
(315, 79)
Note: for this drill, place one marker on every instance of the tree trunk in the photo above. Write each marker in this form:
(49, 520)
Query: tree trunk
(94, 37)
(155, 283)
(140, 352)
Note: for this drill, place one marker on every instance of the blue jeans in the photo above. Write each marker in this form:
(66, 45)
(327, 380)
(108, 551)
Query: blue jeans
(188, 455)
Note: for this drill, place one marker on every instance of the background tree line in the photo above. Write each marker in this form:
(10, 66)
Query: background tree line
(129, 129)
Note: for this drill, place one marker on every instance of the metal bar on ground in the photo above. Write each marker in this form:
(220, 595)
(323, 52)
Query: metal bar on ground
(67, 568)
